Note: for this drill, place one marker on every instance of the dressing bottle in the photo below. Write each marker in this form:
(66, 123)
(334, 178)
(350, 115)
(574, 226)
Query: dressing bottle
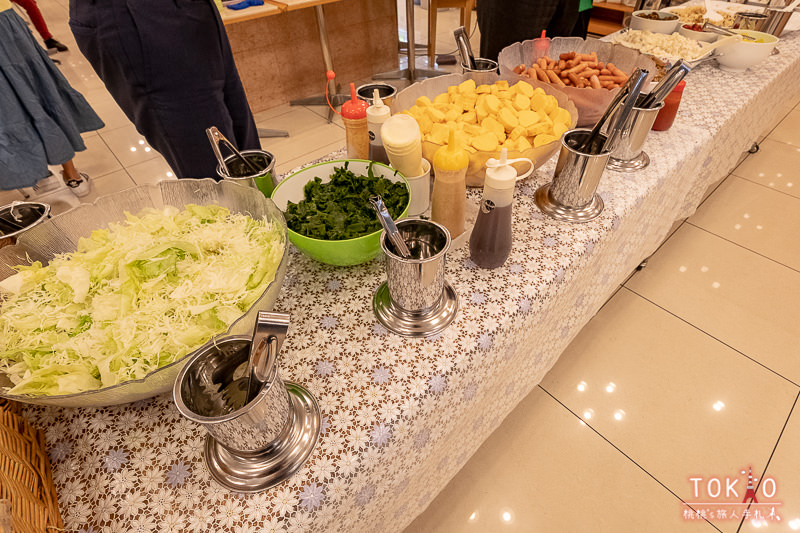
(450, 186)
(377, 114)
(490, 242)
(354, 116)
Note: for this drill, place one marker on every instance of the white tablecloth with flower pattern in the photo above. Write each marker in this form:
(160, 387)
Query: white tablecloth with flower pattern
(400, 416)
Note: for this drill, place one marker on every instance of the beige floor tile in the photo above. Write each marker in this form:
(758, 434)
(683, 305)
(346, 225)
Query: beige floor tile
(298, 146)
(787, 131)
(6, 197)
(97, 160)
(542, 470)
(128, 145)
(783, 470)
(774, 165)
(296, 120)
(649, 382)
(744, 300)
(107, 109)
(763, 220)
(151, 171)
(109, 184)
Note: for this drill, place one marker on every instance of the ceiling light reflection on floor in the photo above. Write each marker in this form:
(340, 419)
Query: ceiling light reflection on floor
(719, 406)
(507, 515)
(473, 517)
(795, 524)
(611, 386)
(619, 414)
(582, 386)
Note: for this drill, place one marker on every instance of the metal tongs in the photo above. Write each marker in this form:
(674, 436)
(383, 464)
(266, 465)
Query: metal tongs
(464, 47)
(713, 28)
(268, 336)
(215, 137)
(628, 94)
(670, 80)
(389, 225)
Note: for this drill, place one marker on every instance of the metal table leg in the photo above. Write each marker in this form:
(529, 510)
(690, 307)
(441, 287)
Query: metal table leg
(412, 72)
(336, 97)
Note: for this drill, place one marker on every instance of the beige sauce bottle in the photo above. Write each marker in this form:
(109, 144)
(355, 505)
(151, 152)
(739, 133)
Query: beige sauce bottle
(450, 187)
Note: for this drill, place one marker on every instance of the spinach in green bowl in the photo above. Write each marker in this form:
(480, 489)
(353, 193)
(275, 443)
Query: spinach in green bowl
(340, 209)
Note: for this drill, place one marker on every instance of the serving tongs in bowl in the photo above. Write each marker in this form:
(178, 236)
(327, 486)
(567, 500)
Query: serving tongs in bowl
(626, 97)
(713, 28)
(215, 137)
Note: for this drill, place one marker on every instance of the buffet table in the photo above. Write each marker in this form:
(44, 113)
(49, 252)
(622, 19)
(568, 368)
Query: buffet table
(400, 416)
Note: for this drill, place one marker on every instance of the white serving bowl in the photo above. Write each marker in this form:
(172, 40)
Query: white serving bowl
(738, 56)
(703, 36)
(654, 26)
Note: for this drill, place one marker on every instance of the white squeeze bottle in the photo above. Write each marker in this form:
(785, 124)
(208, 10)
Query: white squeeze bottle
(377, 114)
(490, 242)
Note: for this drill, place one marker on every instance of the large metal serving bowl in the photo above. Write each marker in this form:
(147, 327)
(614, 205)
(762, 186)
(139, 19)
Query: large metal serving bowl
(60, 234)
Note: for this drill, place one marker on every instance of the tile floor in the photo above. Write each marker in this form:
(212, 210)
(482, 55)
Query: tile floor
(690, 371)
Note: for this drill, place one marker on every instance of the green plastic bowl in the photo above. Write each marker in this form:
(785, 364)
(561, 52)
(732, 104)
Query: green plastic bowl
(340, 253)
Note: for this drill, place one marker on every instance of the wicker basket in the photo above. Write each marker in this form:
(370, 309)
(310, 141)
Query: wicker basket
(25, 476)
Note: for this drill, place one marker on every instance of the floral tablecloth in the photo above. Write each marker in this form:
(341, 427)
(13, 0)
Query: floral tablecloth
(402, 416)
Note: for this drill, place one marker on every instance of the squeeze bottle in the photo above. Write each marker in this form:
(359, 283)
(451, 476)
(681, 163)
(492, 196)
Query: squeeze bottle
(450, 186)
(377, 114)
(490, 242)
(354, 116)
(403, 143)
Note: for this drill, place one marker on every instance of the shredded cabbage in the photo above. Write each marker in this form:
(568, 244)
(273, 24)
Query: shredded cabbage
(134, 297)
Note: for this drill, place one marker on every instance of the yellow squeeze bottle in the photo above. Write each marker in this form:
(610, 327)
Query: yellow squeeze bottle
(450, 186)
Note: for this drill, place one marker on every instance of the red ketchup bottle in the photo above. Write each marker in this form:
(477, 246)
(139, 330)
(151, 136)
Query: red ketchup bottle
(354, 116)
(666, 116)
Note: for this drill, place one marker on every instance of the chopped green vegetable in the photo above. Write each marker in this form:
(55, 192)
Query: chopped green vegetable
(134, 297)
(340, 209)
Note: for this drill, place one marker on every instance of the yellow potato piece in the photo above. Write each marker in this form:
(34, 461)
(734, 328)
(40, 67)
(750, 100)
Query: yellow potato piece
(452, 115)
(494, 89)
(544, 117)
(467, 86)
(483, 89)
(462, 138)
(473, 129)
(470, 149)
(481, 114)
(524, 88)
(550, 103)
(469, 100)
(440, 133)
(559, 129)
(453, 89)
(502, 84)
(442, 107)
(538, 101)
(538, 129)
(486, 142)
(539, 90)
(509, 145)
(424, 101)
(528, 118)
(504, 95)
(425, 123)
(517, 132)
(492, 103)
(508, 119)
(469, 117)
(523, 144)
(522, 102)
(541, 140)
(434, 114)
(415, 111)
(492, 125)
(443, 98)
(562, 115)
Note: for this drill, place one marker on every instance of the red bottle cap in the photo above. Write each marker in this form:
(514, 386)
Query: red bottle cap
(354, 108)
(680, 87)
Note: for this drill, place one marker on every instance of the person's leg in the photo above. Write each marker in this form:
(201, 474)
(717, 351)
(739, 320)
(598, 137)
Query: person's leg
(77, 182)
(36, 17)
(170, 91)
(32, 8)
(244, 126)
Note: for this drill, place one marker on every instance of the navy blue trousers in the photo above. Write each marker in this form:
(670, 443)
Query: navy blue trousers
(169, 66)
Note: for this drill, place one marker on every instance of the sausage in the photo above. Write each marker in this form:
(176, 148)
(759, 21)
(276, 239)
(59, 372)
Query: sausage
(554, 78)
(595, 81)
